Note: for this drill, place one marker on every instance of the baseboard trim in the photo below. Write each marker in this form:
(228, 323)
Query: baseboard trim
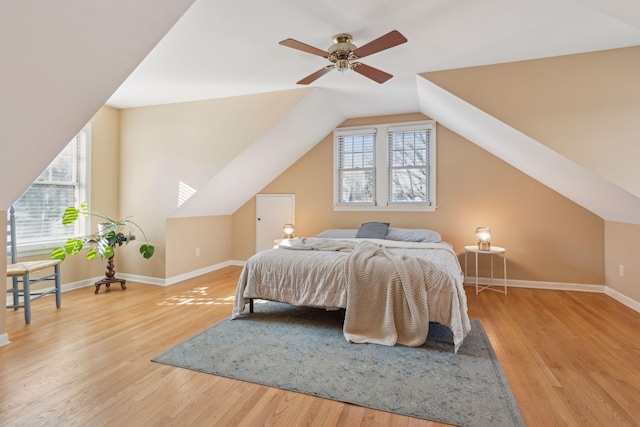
(181, 277)
(148, 280)
(554, 286)
(557, 286)
(623, 299)
(196, 273)
(4, 339)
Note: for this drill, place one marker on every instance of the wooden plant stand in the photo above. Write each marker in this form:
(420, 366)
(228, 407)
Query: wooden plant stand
(110, 278)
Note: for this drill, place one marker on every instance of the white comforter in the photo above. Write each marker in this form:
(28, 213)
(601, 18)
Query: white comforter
(340, 273)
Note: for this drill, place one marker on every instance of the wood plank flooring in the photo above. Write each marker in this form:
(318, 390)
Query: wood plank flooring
(571, 360)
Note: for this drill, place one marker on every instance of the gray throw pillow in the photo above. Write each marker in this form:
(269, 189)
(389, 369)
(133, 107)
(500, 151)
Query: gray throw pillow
(373, 230)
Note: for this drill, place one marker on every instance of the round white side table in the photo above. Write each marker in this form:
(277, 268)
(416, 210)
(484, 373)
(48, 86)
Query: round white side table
(494, 250)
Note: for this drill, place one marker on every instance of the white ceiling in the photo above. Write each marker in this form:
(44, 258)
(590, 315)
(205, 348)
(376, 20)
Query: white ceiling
(221, 48)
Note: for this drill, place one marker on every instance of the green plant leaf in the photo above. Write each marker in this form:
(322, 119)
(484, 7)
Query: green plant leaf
(107, 252)
(73, 246)
(58, 253)
(70, 215)
(115, 234)
(147, 251)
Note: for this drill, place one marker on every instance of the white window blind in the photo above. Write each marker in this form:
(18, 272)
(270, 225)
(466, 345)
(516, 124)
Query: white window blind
(357, 166)
(409, 164)
(63, 183)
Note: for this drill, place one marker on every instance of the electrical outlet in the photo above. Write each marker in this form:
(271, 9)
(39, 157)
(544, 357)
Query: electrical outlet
(197, 251)
(621, 270)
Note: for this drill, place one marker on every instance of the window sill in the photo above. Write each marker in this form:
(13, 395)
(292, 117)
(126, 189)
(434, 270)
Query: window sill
(37, 249)
(395, 208)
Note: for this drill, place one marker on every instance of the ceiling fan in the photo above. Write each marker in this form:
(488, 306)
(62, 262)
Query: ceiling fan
(344, 55)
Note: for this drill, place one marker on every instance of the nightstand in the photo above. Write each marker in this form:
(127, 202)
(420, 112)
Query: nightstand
(494, 250)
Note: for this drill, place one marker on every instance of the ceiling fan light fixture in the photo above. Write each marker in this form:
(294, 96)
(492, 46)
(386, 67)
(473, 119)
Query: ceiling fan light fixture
(342, 65)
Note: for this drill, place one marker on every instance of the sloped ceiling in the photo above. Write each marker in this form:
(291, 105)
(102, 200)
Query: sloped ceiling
(557, 172)
(274, 151)
(61, 61)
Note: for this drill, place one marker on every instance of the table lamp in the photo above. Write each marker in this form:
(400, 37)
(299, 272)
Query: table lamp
(483, 236)
(288, 230)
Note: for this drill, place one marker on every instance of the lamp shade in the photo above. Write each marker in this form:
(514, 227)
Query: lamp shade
(288, 231)
(483, 236)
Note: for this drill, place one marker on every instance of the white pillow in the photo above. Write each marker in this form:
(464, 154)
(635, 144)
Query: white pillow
(339, 233)
(413, 235)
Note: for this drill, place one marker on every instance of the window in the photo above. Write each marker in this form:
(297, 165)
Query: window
(357, 166)
(385, 167)
(63, 183)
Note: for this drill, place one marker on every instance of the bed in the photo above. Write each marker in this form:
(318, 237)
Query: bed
(391, 282)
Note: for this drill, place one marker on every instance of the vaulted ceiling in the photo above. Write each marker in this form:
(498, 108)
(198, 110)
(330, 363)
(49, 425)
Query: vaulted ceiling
(221, 49)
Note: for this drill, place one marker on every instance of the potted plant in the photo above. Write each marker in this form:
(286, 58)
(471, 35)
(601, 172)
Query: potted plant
(111, 233)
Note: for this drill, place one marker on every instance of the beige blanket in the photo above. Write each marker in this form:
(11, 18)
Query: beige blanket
(317, 244)
(387, 296)
(383, 285)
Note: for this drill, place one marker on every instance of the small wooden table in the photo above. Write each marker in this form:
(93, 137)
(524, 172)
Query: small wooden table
(109, 277)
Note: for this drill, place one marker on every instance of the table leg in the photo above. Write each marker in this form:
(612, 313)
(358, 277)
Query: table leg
(110, 278)
(465, 266)
(491, 256)
(476, 273)
(504, 257)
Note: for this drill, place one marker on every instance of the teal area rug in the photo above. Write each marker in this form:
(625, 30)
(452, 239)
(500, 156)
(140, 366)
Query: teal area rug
(302, 349)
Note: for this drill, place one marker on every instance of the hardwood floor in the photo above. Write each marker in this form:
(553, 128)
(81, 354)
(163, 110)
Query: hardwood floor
(571, 360)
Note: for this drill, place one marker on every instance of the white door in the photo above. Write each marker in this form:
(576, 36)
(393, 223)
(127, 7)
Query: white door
(273, 211)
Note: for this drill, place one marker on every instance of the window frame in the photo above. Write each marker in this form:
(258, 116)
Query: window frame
(82, 186)
(365, 132)
(382, 171)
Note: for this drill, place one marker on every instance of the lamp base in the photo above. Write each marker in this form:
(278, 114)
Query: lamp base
(484, 246)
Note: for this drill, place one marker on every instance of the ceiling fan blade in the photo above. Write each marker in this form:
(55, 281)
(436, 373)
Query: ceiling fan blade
(312, 77)
(295, 44)
(370, 72)
(389, 40)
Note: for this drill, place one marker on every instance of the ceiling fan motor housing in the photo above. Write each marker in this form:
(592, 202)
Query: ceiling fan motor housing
(341, 52)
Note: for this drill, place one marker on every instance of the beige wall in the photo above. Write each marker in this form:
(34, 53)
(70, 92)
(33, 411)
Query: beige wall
(211, 235)
(548, 237)
(164, 146)
(585, 106)
(621, 248)
(105, 153)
